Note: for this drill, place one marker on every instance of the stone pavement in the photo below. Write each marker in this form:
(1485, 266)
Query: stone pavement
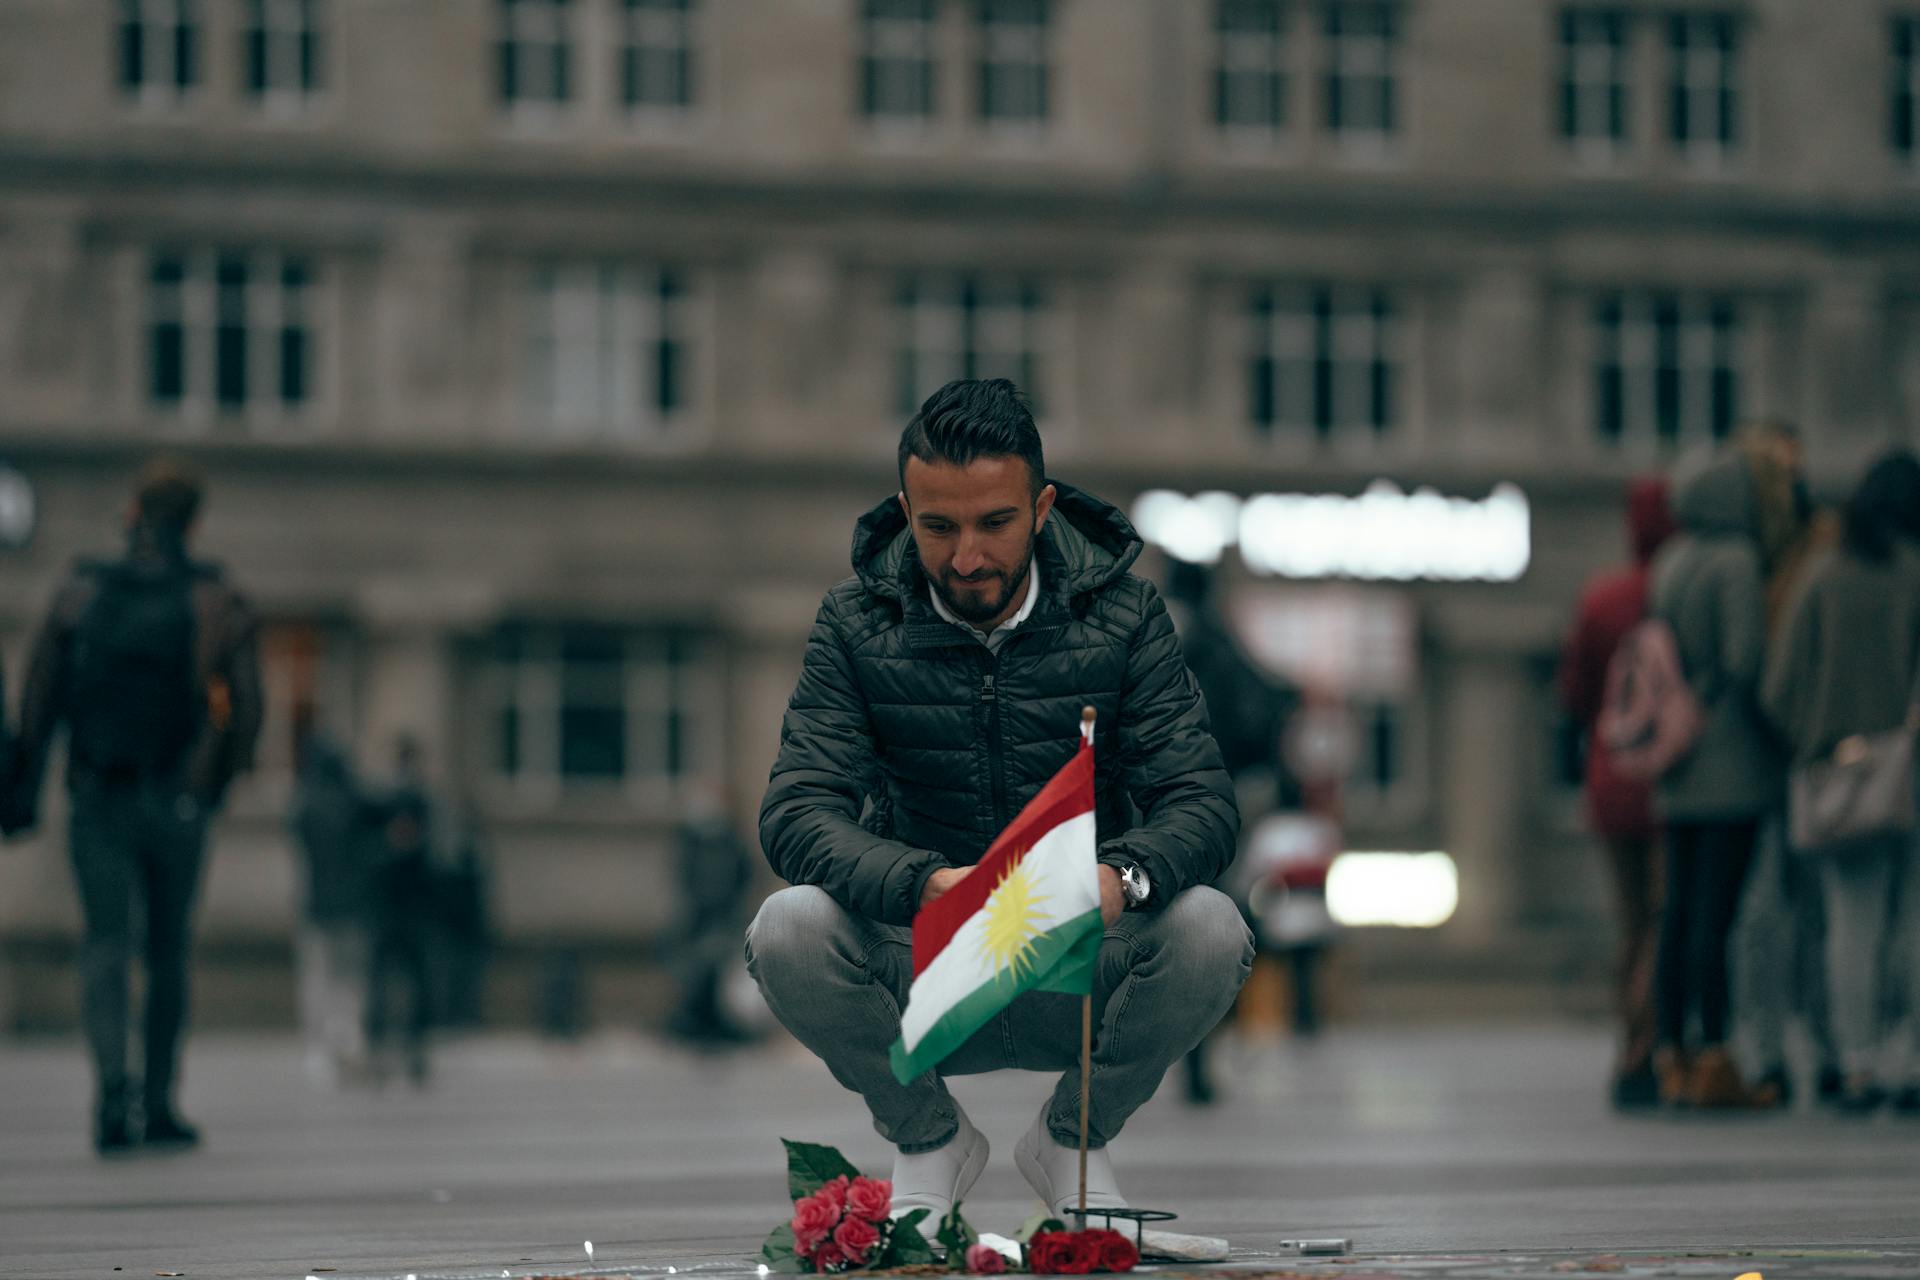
(1450, 1153)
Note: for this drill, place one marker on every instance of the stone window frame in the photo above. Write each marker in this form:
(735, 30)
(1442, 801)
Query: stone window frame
(970, 324)
(201, 300)
(1359, 63)
(657, 683)
(1257, 53)
(282, 54)
(162, 61)
(1014, 48)
(1596, 80)
(1706, 68)
(898, 78)
(537, 64)
(1304, 341)
(1903, 92)
(667, 29)
(630, 323)
(1676, 383)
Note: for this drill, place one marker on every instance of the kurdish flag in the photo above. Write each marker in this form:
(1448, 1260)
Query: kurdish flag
(1027, 918)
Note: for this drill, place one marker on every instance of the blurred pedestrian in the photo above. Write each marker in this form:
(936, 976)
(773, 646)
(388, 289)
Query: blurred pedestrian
(151, 663)
(465, 928)
(1706, 586)
(1844, 689)
(401, 920)
(1778, 967)
(715, 872)
(334, 826)
(1619, 808)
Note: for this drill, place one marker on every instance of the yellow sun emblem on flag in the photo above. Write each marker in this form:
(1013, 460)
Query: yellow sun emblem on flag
(1013, 921)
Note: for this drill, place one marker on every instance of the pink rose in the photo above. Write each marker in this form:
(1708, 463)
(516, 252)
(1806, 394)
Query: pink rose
(870, 1198)
(835, 1193)
(985, 1260)
(856, 1239)
(814, 1219)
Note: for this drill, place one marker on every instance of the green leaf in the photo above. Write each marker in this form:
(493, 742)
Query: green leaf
(905, 1245)
(1037, 1223)
(811, 1166)
(956, 1235)
(778, 1251)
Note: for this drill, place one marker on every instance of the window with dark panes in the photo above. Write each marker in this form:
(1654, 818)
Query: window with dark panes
(159, 47)
(1013, 38)
(1704, 93)
(1595, 78)
(968, 325)
(536, 52)
(1322, 361)
(1250, 66)
(656, 54)
(608, 349)
(1362, 96)
(1667, 368)
(230, 331)
(897, 57)
(282, 41)
(578, 704)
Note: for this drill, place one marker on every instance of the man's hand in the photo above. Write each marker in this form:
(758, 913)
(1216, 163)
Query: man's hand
(1112, 901)
(941, 881)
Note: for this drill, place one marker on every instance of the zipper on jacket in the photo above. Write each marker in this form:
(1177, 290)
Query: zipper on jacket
(995, 768)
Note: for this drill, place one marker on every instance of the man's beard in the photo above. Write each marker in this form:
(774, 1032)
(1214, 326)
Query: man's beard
(988, 608)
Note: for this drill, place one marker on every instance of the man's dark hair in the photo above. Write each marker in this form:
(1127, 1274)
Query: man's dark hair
(1885, 508)
(168, 495)
(974, 418)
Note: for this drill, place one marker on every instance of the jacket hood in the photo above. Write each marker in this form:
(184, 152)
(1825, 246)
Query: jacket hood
(1649, 517)
(1716, 499)
(1086, 544)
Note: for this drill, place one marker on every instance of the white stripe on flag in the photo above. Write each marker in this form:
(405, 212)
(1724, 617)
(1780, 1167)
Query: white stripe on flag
(1062, 868)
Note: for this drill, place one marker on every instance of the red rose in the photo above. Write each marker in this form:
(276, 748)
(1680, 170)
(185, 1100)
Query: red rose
(835, 1192)
(814, 1219)
(870, 1198)
(1062, 1253)
(1116, 1251)
(856, 1239)
(985, 1260)
(828, 1257)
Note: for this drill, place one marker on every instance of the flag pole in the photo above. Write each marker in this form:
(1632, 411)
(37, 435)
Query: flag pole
(1086, 1035)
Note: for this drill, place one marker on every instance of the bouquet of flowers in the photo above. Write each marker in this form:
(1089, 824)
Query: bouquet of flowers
(841, 1223)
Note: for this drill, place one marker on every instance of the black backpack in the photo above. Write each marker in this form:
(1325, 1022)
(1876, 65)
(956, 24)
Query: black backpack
(135, 702)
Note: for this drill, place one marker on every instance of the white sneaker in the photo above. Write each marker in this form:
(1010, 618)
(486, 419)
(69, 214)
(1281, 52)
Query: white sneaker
(1054, 1172)
(938, 1180)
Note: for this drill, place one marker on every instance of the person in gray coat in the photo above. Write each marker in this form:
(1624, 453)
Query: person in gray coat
(1846, 665)
(1707, 586)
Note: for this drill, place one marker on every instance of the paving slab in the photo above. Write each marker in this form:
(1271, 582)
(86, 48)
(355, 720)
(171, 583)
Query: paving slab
(1455, 1152)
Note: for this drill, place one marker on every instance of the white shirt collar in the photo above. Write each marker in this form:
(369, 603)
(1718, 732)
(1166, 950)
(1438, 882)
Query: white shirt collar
(992, 640)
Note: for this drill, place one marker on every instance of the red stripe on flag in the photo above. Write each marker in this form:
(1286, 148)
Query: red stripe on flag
(1068, 795)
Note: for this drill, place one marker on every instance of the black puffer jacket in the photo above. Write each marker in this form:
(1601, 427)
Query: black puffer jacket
(908, 745)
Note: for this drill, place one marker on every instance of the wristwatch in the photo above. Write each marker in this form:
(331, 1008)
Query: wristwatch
(1135, 887)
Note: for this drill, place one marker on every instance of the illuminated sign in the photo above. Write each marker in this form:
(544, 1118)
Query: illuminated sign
(1385, 534)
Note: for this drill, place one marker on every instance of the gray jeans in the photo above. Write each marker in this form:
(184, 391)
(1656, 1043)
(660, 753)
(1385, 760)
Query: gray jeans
(1869, 887)
(838, 981)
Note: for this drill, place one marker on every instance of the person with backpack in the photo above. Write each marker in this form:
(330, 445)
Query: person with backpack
(1620, 808)
(150, 662)
(1844, 689)
(1716, 767)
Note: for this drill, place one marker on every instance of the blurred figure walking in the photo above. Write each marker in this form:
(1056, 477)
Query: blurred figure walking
(1619, 808)
(1706, 586)
(401, 920)
(335, 827)
(715, 871)
(1844, 689)
(151, 663)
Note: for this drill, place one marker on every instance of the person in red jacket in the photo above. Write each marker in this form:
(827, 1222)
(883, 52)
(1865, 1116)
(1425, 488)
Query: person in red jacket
(1621, 809)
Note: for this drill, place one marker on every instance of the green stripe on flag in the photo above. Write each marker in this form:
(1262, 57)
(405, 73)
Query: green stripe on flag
(1061, 960)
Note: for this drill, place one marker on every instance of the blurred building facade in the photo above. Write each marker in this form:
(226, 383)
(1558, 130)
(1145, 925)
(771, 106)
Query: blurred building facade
(542, 352)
